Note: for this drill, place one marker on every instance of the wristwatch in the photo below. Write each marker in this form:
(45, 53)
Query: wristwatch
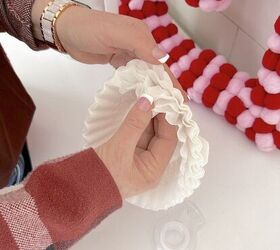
(49, 17)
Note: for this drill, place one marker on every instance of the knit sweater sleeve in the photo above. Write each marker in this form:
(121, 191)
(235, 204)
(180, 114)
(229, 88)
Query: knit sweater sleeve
(58, 203)
(15, 18)
(1, 27)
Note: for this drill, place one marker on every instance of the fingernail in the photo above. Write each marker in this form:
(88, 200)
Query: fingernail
(187, 99)
(145, 103)
(161, 55)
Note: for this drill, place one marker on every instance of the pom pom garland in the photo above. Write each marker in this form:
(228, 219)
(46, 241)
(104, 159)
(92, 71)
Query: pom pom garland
(250, 104)
(210, 5)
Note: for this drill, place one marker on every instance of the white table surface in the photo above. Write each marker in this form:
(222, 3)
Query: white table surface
(239, 196)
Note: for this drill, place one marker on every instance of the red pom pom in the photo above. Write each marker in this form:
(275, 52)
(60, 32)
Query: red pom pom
(258, 95)
(270, 60)
(188, 44)
(207, 55)
(177, 52)
(170, 61)
(278, 68)
(251, 134)
(197, 66)
(160, 34)
(220, 81)
(149, 8)
(272, 101)
(210, 96)
(260, 126)
(193, 3)
(187, 79)
(277, 25)
(276, 137)
(161, 8)
(125, 1)
(251, 83)
(228, 69)
(172, 29)
(232, 120)
(235, 107)
(137, 14)
(124, 9)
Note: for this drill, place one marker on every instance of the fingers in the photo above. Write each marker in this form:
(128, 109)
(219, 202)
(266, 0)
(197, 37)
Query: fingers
(135, 123)
(117, 59)
(120, 59)
(134, 35)
(100, 32)
(161, 147)
(146, 137)
(89, 58)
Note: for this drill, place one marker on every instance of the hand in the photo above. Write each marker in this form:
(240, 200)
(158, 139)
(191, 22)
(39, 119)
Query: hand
(137, 155)
(101, 37)
(91, 36)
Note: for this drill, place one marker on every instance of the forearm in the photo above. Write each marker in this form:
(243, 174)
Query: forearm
(58, 203)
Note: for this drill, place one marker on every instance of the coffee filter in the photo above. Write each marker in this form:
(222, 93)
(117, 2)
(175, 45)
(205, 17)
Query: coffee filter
(186, 167)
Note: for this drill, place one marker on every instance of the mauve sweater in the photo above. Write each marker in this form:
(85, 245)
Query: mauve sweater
(62, 199)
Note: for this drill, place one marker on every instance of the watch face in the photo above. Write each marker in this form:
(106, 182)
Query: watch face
(85, 3)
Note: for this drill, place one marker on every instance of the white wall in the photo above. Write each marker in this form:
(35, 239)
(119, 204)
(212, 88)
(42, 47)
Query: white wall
(240, 33)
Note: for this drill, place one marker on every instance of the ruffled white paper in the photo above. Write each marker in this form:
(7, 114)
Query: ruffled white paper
(113, 102)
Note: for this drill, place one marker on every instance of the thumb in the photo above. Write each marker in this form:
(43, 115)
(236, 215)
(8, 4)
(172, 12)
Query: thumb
(135, 122)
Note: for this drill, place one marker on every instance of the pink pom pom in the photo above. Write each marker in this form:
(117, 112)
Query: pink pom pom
(165, 20)
(168, 44)
(278, 126)
(208, 5)
(274, 43)
(211, 70)
(176, 70)
(177, 39)
(270, 116)
(235, 85)
(245, 119)
(200, 84)
(152, 22)
(194, 53)
(185, 62)
(219, 60)
(242, 76)
(223, 100)
(245, 96)
(272, 83)
(223, 4)
(218, 110)
(197, 97)
(256, 110)
(265, 142)
(262, 74)
(136, 4)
